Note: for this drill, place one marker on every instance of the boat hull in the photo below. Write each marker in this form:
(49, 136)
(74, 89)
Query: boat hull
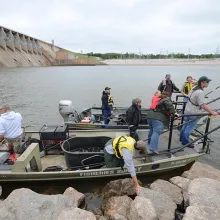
(161, 166)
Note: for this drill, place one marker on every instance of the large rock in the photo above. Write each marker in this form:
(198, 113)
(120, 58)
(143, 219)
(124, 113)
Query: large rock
(76, 214)
(116, 207)
(200, 170)
(76, 196)
(26, 204)
(142, 209)
(204, 192)
(119, 187)
(169, 189)
(163, 204)
(181, 182)
(101, 218)
(117, 217)
(201, 213)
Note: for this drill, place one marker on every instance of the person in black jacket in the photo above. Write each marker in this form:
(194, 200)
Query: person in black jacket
(106, 107)
(167, 85)
(133, 117)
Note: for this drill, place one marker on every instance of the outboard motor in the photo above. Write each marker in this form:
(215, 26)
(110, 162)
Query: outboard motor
(66, 110)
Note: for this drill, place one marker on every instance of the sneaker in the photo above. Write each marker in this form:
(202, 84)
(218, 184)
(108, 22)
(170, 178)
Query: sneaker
(154, 151)
(191, 146)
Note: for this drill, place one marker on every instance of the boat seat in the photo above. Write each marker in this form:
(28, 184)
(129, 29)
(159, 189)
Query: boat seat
(4, 156)
(31, 155)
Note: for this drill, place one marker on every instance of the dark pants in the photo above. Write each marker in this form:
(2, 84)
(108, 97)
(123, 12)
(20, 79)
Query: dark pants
(133, 132)
(112, 161)
(106, 114)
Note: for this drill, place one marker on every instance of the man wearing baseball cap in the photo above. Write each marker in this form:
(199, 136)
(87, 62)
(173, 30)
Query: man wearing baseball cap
(194, 105)
(107, 104)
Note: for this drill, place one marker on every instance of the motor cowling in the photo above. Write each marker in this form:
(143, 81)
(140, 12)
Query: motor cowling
(66, 109)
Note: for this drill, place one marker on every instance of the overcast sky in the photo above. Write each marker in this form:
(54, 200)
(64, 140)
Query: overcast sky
(149, 26)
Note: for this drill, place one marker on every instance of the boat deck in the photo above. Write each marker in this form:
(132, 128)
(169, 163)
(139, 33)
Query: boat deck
(175, 143)
(59, 160)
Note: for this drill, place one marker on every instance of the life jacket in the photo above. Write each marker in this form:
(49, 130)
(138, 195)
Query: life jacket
(193, 90)
(155, 101)
(187, 87)
(120, 142)
(161, 107)
(110, 100)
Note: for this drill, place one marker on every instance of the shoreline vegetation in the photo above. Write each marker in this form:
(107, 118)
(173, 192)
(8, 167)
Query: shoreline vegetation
(161, 62)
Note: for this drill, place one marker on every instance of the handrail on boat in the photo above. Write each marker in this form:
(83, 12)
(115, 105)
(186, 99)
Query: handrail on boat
(200, 115)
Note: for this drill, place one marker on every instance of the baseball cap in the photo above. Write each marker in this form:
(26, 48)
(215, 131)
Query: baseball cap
(168, 75)
(204, 79)
(107, 88)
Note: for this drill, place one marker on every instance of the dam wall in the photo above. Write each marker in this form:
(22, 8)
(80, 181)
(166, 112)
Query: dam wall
(20, 50)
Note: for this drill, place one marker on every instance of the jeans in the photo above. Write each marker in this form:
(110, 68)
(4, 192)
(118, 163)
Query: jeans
(185, 99)
(133, 132)
(188, 128)
(156, 128)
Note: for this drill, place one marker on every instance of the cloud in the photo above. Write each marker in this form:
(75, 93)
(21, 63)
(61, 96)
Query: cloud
(118, 25)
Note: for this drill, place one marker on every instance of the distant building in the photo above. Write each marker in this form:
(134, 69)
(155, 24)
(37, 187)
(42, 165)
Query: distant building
(65, 55)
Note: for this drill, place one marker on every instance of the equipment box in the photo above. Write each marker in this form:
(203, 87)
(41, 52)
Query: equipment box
(61, 132)
(52, 132)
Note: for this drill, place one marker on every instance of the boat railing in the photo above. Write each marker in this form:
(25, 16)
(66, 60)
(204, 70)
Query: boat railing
(203, 136)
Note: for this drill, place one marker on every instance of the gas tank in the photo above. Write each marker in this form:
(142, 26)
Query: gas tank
(66, 109)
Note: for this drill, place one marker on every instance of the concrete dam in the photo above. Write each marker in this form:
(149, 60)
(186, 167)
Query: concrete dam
(20, 50)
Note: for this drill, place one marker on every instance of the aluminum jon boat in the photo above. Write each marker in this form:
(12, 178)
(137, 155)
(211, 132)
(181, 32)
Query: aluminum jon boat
(92, 118)
(79, 154)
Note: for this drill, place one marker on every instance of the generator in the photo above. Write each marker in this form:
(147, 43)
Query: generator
(53, 132)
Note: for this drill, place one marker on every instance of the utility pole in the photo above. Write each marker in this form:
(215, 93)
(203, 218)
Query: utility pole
(217, 52)
(139, 53)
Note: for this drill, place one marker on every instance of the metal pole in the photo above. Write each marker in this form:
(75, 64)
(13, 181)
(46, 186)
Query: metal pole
(206, 131)
(197, 139)
(171, 132)
(183, 110)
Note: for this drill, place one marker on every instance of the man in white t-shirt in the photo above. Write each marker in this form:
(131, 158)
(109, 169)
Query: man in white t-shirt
(10, 128)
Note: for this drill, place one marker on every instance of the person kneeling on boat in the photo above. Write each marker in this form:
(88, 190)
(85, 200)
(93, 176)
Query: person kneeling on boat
(119, 152)
(10, 129)
(158, 119)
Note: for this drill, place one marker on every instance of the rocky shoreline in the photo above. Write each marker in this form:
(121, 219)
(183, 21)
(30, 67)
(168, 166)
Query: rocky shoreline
(193, 196)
